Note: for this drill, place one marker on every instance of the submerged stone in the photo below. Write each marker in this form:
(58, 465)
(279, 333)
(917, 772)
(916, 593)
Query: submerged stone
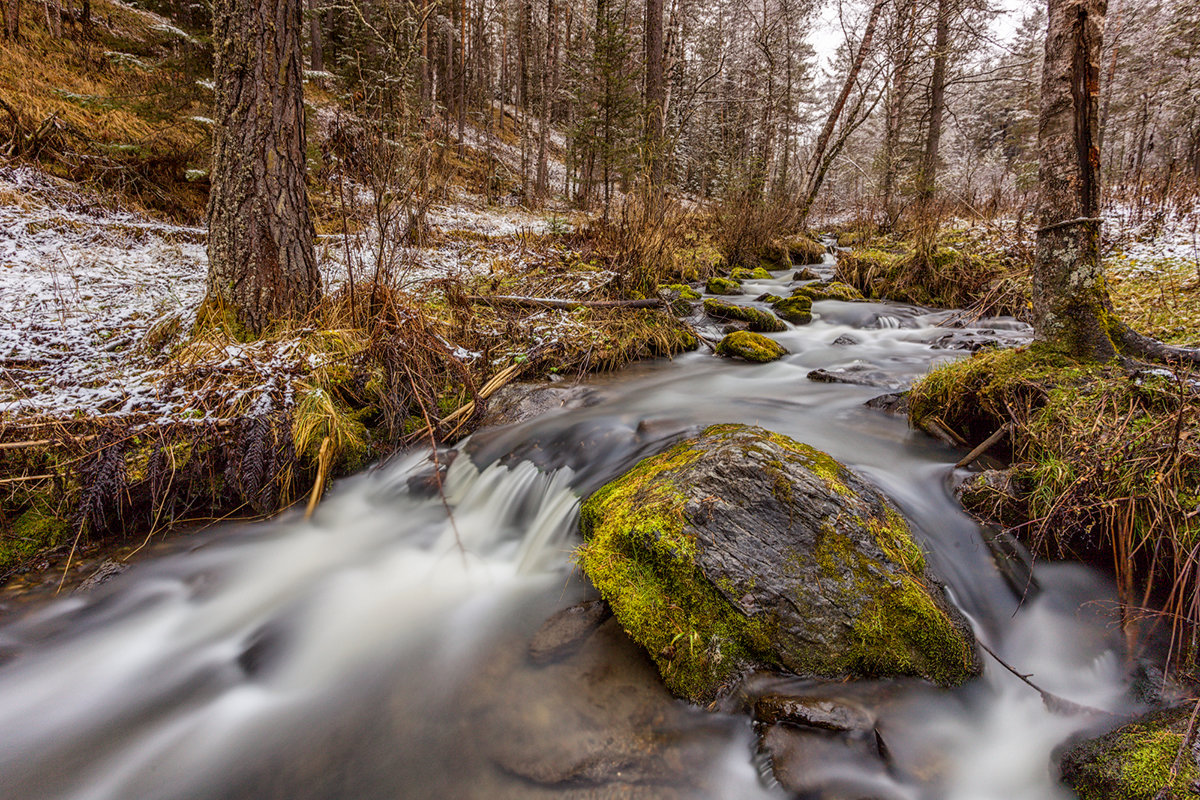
(750, 347)
(743, 549)
(756, 319)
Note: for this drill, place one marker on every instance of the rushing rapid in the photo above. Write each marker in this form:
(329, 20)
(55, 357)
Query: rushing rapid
(380, 649)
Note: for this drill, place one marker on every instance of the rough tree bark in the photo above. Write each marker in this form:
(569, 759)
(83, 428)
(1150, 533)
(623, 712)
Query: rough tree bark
(1071, 306)
(901, 43)
(262, 266)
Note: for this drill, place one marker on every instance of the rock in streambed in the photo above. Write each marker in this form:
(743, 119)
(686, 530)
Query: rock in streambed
(743, 549)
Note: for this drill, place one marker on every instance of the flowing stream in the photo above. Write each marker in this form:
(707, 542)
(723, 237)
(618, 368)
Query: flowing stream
(381, 648)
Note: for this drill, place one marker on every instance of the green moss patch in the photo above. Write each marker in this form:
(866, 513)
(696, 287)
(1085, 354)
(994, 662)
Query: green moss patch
(745, 274)
(717, 285)
(828, 290)
(642, 561)
(796, 309)
(750, 346)
(758, 320)
(1143, 760)
(666, 547)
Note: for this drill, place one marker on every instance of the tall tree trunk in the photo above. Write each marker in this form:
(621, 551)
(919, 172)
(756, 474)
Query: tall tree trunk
(54, 17)
(937, 107)
(816, 170)
(1114, 47)
(898, 90)
(260, 243)
(315, 40)
(12, 18)
(547, 89)
(1071, 307)
(654, 94)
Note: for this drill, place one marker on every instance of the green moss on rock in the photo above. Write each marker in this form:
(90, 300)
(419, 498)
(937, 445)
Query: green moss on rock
(796, 309)
(718, 285)
(757, 319)
(668, 547)
(828, 290)
(750, 346)
(744, 274)
(1135, 761)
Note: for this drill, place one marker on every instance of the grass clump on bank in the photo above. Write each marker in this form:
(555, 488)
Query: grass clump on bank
(955, 270)
(1105, 467)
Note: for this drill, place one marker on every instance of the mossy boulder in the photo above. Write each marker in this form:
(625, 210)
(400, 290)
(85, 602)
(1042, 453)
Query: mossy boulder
(796, 309)
(744, 274)
(805, 250)
(756, 319)
(828, 290)
(750, 346)
(718, 285)
(743, 549)
(767, 297)
(1134, 762)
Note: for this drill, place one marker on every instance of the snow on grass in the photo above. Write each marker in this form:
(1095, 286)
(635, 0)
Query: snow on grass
(79, 288)
(85, 289)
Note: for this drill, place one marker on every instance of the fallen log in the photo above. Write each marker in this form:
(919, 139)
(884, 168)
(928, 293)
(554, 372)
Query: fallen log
(569, 305)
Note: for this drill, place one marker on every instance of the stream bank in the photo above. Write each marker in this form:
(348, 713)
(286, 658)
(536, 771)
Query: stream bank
(385, 642)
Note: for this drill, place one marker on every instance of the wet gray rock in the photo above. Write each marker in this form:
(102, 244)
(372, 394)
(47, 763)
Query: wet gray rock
(107, 570)
(562, 633)
(518, 402)
(890, 403)
(761, 552)
(813, 712)
(857, 375)
(844, 340)
(993, 494)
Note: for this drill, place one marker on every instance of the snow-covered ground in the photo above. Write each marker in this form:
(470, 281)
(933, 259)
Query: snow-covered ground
(82, 286)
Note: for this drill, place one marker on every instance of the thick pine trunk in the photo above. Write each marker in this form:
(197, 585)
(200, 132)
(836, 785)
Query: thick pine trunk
(260, 245)
(1071, 307)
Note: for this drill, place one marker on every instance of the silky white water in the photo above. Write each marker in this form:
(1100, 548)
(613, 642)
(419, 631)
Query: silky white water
(378, 650)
